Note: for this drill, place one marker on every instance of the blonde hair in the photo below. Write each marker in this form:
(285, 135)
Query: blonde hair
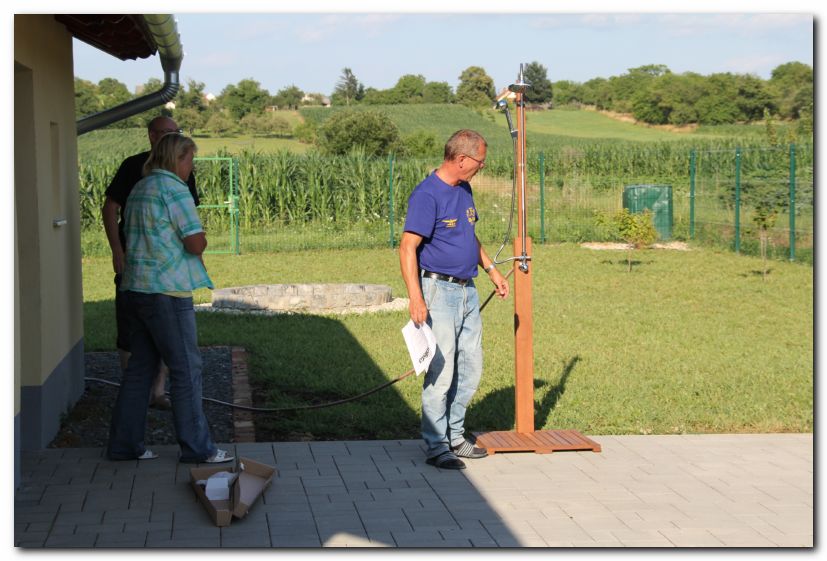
(167, 151)
(466, 142)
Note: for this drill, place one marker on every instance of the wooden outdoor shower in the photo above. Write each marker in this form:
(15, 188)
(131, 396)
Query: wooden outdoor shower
(525, 438)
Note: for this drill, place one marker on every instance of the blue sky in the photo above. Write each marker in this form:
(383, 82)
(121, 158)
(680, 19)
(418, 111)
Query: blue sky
(310, 50)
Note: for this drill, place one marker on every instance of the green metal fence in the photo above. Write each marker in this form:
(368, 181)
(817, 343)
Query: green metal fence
(218, 208)
(295, 202)
(738, 195)
(286, 202)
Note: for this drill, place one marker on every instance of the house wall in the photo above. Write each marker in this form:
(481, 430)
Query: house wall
(48, 312)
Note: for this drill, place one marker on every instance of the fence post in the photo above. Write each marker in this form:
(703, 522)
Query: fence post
(692, 164)
(390, 197)
(738, 200)
(542, 197)
(234, 201)
(792, 202)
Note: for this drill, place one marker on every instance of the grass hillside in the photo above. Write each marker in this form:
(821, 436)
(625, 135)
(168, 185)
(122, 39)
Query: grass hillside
(208, 146)
(440, 120)
(546, 129)
(593, 125)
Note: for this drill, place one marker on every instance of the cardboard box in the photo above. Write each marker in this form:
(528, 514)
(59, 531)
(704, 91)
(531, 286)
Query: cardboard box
(253, 478)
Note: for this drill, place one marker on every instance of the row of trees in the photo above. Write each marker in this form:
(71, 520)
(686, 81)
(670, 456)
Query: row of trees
(237, 102)
(244, 104)
(475, 89)
(652, 94)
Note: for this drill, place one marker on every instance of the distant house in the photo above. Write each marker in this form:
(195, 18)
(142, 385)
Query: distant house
(507, 94)
(316, 99)
(511, 96)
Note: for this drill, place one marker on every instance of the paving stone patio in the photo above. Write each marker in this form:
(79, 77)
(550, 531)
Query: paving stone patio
(639, 491)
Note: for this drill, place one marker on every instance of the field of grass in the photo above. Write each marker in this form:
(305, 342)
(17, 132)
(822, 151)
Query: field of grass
(209, 146)
(689, 342)
(593, 125)
(440, 120)
(544, 128)
(116, 144)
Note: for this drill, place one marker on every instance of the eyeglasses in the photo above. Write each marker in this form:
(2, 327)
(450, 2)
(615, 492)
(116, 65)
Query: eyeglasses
(480, 162)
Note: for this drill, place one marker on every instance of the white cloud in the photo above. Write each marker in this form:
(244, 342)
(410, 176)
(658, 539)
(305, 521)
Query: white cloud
(215, 60)
(326, 26)
(263, 28)
(596, 20)
(755, 64)
(679, 24)
(687, 25)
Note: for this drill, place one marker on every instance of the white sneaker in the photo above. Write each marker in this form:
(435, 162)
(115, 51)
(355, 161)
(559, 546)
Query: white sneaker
(219, 457)
(148, 455)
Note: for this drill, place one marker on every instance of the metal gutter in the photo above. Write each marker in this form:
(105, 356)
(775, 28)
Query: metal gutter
(164, 32)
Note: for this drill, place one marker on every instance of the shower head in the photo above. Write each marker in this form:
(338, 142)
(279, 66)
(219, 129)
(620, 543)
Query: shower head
(502, 105)
(520, 85)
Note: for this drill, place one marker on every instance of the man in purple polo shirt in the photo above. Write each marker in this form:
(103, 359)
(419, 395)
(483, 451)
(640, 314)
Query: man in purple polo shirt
(439, 255)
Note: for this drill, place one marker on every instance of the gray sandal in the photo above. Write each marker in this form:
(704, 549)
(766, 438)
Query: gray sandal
(446, 460)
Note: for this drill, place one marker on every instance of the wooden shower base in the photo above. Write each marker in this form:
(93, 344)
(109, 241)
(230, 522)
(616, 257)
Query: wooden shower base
(540, 442)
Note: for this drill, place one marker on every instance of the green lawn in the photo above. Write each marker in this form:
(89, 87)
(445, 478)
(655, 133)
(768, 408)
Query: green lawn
(689, 342)
(593, 125)
(209, 146)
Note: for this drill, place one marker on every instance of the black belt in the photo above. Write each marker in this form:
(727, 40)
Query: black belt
(440, 276)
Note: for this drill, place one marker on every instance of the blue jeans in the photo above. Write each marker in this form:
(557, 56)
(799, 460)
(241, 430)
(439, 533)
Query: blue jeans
(455, 371)
(161, 327)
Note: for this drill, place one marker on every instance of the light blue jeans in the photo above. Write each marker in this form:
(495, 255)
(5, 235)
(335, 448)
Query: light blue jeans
(161, 327)
(455, 371)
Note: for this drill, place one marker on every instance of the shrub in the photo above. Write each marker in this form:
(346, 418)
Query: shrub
(305, 132)
(371, 131)
(421, 144)
(636, 229)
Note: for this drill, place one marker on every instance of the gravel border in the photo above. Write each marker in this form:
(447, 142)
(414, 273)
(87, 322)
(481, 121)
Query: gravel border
(86, 425)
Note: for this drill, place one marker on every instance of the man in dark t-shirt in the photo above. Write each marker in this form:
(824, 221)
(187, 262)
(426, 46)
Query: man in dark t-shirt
(439, 255)
(114, 210)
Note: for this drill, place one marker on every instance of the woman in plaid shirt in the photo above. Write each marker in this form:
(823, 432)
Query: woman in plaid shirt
(165, 243)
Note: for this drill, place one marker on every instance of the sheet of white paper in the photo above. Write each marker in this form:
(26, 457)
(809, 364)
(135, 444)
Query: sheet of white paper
(421, 345)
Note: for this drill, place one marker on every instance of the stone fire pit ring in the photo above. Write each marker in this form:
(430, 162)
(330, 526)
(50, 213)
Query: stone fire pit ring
(308, 298)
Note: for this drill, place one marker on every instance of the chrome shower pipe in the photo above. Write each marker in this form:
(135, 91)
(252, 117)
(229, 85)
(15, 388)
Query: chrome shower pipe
(502, 105)
(519, 87)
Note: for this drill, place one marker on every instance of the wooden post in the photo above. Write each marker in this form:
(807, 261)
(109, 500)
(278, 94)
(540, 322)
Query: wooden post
(523, 322)
(523, 345)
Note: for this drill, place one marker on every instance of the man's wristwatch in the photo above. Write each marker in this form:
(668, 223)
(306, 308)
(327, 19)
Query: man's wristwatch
(488, 269)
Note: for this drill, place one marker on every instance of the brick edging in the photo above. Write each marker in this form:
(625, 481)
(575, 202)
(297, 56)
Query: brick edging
(244, 429)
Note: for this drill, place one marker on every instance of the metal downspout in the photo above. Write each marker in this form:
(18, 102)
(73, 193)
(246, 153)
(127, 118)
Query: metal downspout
(165, 33)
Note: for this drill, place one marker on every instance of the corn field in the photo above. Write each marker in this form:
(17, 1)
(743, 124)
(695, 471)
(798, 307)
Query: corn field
(289, 201)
